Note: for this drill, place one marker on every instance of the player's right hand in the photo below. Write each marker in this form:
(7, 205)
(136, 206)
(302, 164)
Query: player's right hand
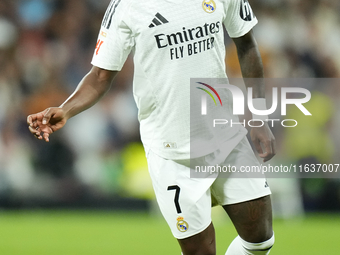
(44, 123)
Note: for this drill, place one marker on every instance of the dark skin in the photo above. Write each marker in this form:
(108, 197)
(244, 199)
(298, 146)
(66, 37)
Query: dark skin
(251, 67)
(89, 91)
(252, 219)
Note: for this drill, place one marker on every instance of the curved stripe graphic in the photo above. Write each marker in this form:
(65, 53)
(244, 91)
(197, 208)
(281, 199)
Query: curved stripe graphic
(209, 94)
(218, 96)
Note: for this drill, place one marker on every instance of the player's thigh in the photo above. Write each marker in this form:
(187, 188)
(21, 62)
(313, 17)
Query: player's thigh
(247, 202)
(185, 202)
(203, 243)
(246, 199)
(252, 219)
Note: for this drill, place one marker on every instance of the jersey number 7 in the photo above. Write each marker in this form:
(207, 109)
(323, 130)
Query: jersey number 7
(176, 199)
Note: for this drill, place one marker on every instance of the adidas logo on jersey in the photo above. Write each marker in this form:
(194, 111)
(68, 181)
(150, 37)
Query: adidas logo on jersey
(158, 20)
(170, 145)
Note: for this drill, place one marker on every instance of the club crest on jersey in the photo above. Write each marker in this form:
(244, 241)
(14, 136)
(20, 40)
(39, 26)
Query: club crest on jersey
(209, 6)
(182, 225)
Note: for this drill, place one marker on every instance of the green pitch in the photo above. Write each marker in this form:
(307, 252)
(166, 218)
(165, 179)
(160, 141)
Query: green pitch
(89, 233)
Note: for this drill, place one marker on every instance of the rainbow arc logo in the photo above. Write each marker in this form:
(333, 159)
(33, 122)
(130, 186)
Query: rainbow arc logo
(209, 93)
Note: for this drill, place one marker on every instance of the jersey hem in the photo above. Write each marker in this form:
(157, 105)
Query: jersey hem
(248, 198)
(243, 32)
(105, 66)
(194, 232)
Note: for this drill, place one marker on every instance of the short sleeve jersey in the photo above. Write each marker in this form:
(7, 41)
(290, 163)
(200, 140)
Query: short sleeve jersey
(172, 41)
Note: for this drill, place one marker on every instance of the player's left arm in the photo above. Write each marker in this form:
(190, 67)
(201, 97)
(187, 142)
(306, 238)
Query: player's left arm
(251, 67)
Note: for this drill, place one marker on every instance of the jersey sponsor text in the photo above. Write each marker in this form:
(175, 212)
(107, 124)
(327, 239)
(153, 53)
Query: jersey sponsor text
(187, 35)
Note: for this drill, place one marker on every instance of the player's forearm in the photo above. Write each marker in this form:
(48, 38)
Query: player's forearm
(251, 65)
(89, 91)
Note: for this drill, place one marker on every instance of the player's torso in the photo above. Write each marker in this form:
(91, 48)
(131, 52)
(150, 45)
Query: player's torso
(174, 41)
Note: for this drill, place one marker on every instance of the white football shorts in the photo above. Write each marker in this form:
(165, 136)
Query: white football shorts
(186, 202)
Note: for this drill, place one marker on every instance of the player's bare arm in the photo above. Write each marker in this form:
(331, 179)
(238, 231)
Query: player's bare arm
(251, 67)
(89, 91)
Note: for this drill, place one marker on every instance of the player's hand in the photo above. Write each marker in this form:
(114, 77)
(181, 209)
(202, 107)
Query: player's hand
(263, 136)
(44, 123)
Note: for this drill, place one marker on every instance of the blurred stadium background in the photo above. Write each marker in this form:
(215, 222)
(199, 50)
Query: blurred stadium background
(88, 190)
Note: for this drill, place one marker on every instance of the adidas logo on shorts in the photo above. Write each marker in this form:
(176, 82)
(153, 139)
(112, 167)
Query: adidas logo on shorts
(158, 20)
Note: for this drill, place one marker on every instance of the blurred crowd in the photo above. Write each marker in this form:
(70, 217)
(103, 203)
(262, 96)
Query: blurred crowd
(46, 48)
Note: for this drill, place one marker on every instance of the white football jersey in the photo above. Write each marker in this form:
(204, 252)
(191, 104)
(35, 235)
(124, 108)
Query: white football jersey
(172, 41)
